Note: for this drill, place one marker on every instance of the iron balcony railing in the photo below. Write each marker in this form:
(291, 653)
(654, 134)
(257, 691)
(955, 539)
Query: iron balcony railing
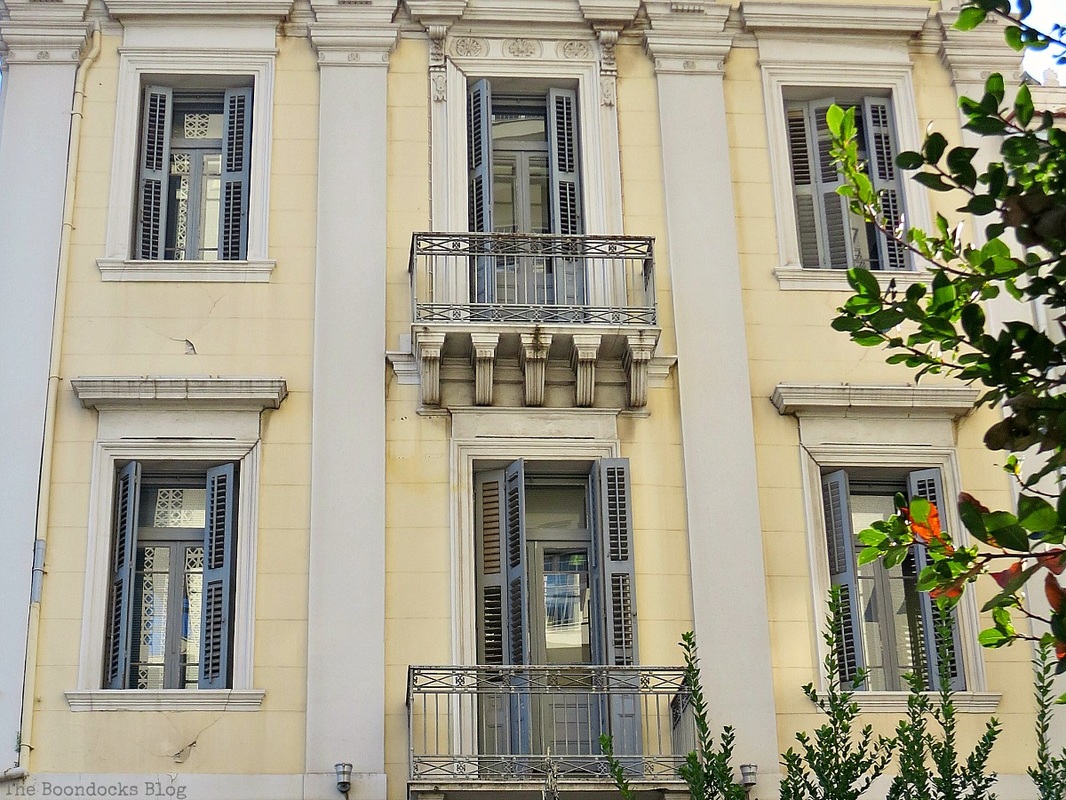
(487, 724)
(541, 278)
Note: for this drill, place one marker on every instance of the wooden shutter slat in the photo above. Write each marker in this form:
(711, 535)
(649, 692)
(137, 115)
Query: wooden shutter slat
(220, 548)
(517, 578)
(840, 546)
(568, 276)
(928, 484)
(617, 570)
(236, 154)
(123, 563)
(491, 574)
(480, 200)
(835, 234)
(152, 193)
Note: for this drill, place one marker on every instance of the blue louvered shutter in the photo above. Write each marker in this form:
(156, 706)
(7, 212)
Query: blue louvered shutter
(518, 651)
(123, 563)
(220, 549)
(154, 168)
(565, 166)
(840, 547)
(479, 162)
(489, 496)
(926, 483)
(882, 148)
(236, 155)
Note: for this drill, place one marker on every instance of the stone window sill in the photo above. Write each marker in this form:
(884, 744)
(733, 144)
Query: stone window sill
(252, 271)
(165, 699)
(836, 280)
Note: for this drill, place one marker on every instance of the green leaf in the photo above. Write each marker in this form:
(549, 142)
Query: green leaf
(868, 554)
(846, 324)
(887, 319)
(1013, 37)
(933, 181)
(1036, 513)
(993, 638)
(960, 157)
(1004, 528)
(970, 18)
(934, 147)
(980, 205)
(990, 126)
(864, 283)
(895, 556)
(919, 509)
(834, 115)
(872, 538)
(1023, 105)
(995, 87)
(909, 159)
(973, 320)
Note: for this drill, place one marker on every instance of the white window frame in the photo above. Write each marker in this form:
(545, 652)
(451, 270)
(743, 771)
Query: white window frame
(137, 68)
(479, 436)
(779, 76)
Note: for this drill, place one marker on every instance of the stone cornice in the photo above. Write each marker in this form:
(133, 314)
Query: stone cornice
(971, 56)
(54, 11)
(609, 14)
(435, 12)
(687, 37)
(216, 393)
(42, 42)
(863, 20)
(844, 399)
(354, 35)
(229, 9)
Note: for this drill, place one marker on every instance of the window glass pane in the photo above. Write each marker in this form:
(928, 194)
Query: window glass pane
(210, 192)
(515, 124)
(566, 607)
(197, 123)
(150, 593)
(173, 507)
(191, 615)
(503, 195)
(555, 507)
(539, 194)
(178, 207)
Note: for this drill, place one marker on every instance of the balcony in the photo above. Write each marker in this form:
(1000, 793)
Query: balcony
(476, 728)
(534, 299)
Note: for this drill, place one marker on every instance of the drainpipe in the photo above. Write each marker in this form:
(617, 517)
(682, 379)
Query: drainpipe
(58, 320)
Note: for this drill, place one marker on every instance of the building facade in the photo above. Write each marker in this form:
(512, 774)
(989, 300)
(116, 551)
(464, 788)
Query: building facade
(393, 383)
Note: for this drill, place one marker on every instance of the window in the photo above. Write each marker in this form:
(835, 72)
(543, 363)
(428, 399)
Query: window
(889, 627)
(524, 178)
(555, 587)
(172, 577)
(194, 161)
(830, 235)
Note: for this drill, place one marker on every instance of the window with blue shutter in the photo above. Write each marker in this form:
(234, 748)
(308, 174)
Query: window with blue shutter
(889, 628)
(193, 176)
(172, 601)
(830, 235)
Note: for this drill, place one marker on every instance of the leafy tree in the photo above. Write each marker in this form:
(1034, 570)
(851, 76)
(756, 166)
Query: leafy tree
(918, 746)
(835, 763)
(1049, 774)
(708, 770)
(941, 329)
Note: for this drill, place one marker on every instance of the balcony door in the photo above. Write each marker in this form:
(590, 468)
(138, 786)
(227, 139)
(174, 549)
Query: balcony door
(555, 593)
(524, 179)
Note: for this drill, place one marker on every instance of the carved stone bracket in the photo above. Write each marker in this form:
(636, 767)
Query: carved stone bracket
(429, 350)
(583, 358)
(438, 78)
(534, 360)
(483, 356)
(608, 67)
(639, 350)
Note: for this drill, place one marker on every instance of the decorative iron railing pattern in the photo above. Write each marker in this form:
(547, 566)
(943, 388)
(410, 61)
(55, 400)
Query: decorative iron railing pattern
(489, 723)
(540, 278)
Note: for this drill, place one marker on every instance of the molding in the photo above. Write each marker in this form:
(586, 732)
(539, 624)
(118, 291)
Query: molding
(896, 702)
(474, 423)
(835, 280)
(586, 348)
(533, 358)
(971, 56)
(137, 62)
(842, 19)
(659, 369)
(687, 38)
(119, 269)
(277, 9)
(483, 357)
(200, 393)
(40, 42)
(354, 35)
(404, 365)
(839, 399)
(165, 699)
(635, 361)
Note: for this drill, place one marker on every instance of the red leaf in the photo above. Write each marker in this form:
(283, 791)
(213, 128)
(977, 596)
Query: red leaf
(970, 500)
(1005, 577)
(1055, 596)
(1053, 561)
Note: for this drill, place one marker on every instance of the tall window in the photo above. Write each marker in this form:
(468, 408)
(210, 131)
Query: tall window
(830, 235)
(525, 179)
(889, 627)
(194, 165)
(172, 578)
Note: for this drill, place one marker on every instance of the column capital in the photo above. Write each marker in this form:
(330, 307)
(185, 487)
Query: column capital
(435, 12)
(612, 15)
(688, 38)
(42, 42)
(354, 36)
(971, 56)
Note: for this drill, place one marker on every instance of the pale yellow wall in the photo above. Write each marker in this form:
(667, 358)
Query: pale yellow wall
(789, 339)
(241, 330)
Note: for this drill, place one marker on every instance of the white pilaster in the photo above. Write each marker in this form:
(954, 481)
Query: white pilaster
(41, 60)
(346, 604)
(729, 606)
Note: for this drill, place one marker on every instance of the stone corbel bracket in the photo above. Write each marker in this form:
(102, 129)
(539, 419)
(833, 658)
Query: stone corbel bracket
(436, 16)
(42, 43)
(583, 358)
(534, 360)
(483, 356)
(639, 350)
(354, 35)
(428, 348)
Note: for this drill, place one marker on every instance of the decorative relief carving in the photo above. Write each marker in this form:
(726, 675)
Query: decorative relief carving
(43, 55)
(468, 47)
(607, 90)
(440, 87)
(522, 48)
(436, 45)
(576, 50)
(353, 56)
(689, 64)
